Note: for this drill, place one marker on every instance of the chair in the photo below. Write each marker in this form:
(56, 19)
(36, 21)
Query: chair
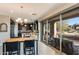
(67, 47)
(51, 42)
(11, 48)
(76, 49)
(57, 43)
(29, 47)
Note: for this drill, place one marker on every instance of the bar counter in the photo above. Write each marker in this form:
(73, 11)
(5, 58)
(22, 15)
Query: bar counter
(22, 40)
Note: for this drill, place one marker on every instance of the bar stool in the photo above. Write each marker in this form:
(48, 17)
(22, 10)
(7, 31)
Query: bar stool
(29, 48)
(11, 48)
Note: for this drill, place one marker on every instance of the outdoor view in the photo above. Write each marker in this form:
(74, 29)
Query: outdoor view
(70, 35)
(70, 28)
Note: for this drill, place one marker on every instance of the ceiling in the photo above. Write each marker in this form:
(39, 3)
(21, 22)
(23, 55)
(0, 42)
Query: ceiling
(30, 11)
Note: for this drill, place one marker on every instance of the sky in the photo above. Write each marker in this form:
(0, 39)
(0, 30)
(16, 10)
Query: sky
(73, 21)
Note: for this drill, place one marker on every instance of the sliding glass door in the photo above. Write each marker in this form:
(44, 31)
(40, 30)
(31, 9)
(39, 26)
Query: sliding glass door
(63, 31)
(70, 30)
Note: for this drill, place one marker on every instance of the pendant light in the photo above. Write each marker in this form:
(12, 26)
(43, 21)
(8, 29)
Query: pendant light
(20, 20)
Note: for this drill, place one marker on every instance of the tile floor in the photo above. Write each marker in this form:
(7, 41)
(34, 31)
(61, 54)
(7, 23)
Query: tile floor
(45, 50)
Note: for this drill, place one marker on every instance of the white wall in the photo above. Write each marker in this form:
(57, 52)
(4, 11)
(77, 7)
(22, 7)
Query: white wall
(5, 35)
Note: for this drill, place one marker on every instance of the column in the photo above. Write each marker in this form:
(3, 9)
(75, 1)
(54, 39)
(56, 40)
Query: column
(55, 31)
(39, 29)
(16, 30)
(47, 30)
(61, 34)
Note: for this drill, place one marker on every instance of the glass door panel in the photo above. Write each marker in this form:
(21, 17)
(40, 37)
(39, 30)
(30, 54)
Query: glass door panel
(70, 30)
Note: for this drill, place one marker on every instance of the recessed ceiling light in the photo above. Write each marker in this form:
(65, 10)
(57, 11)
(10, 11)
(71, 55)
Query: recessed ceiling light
(21, 6)
(34, 14)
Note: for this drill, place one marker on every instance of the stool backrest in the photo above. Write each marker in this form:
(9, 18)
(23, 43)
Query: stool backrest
(29, 43)
(12, 46)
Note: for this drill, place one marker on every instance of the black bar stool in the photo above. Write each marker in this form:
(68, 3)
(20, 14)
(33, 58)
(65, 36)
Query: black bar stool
(11, 48)
(29, 47)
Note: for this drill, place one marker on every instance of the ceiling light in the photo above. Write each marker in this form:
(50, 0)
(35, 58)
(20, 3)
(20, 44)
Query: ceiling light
(34, 14)
(25, 25)
(21, 21)
(25, 20)
(18, 20)
(30, 25)
(21, 6)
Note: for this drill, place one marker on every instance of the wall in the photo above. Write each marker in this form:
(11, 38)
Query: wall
(5, 35)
